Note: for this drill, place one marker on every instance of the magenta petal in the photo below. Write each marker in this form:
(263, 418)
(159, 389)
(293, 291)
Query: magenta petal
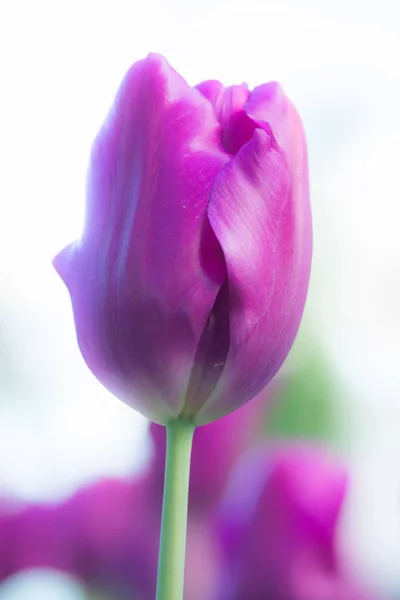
(212, 90)
(268, 103)
(236, 126)
(259, 210)
(279, 522)
(148, 269)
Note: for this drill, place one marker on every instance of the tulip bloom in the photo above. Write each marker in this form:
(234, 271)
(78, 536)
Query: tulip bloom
(278, 527)
(190, 278)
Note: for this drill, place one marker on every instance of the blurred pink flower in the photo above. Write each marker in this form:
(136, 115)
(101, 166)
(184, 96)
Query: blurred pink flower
(268, 532)
(107, 535)
(39, 535)
(278, 527)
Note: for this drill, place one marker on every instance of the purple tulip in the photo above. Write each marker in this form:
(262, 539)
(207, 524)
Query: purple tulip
(190, 278)
(279, 525)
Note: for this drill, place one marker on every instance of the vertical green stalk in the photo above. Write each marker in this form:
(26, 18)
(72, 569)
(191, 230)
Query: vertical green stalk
(171, 560)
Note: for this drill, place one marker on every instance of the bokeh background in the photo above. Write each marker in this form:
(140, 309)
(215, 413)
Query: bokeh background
(60, 65)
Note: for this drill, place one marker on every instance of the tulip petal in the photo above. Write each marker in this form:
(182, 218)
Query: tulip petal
(278, 522)
(148, 268)
(268, 103)
(259, 211)
(236, 126)
(212, 90)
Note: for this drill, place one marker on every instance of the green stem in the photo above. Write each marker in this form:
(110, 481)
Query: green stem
(171, 560)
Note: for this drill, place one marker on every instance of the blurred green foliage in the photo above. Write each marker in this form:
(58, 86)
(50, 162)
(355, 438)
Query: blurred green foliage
(305, 406)
(96, 594)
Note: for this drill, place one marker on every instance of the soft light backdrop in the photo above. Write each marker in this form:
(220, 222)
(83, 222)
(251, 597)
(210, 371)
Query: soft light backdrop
(61, 63)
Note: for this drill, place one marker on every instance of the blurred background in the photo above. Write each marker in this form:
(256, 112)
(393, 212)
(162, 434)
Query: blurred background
(60, 65)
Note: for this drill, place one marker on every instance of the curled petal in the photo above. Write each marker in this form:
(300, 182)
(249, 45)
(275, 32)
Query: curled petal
(236, 126)
(259, 210)
(213, 90)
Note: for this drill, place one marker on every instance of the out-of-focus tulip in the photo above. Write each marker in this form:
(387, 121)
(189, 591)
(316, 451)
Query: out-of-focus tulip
(216, 449)
(279, 524)
(117, 527)
(107, 535)
(190, 278)
(7, 511)
(39, 535)
(117, 530)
